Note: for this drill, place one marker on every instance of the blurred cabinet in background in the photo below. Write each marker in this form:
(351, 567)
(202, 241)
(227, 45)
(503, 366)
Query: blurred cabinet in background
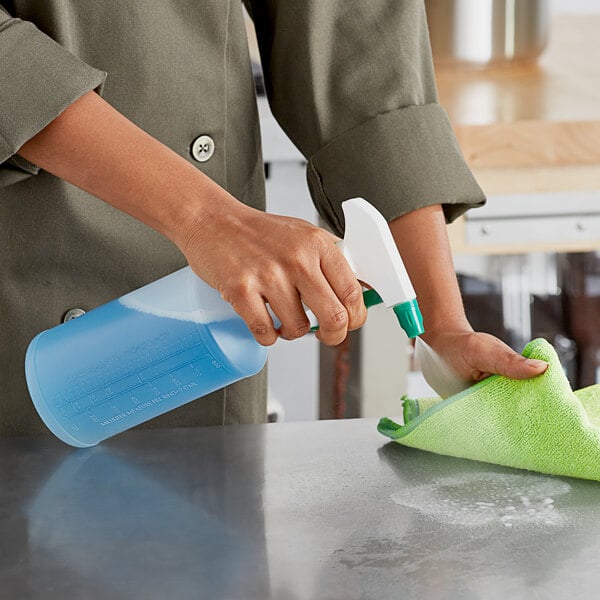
(554, 296)
(581, 277)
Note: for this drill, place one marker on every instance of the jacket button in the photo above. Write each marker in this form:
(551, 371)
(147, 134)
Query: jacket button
(73, 313)
(203, 148)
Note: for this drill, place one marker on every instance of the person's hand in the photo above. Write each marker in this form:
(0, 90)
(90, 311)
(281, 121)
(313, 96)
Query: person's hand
(422, 240)
(252, 258)
(475, 356)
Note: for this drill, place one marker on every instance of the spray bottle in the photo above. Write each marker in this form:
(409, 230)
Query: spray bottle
(176, 340)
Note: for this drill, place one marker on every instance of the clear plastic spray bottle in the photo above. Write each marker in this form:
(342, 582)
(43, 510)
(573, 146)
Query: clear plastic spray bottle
(176, 340)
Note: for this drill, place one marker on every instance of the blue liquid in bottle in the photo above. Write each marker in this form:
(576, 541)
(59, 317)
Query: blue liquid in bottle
(137, 357)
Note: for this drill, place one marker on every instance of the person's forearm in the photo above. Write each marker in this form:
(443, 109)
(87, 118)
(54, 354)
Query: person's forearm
(423, 244)
(97, 149)
(94, 147)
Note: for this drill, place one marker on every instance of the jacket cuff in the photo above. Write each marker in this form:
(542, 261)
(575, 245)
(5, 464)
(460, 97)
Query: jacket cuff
(398, 161)
(38, 80)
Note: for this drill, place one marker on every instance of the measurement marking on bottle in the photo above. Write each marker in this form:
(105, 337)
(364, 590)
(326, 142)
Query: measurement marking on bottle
(105, 410)
(140, 407)
(154, 365)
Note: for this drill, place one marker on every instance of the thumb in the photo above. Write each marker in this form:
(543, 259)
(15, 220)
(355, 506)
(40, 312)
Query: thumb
(498, 358)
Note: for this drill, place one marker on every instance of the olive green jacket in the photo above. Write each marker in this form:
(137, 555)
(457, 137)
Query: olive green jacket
(350, 81)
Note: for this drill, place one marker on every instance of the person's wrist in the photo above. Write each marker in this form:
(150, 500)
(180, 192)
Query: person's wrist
(195, 204)
(443, 324)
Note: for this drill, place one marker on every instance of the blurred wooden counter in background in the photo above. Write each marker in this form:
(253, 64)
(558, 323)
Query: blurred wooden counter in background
(531, 129)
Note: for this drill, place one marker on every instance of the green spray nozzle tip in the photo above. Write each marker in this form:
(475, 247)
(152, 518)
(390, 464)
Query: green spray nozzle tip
(410, 318)
(408, 313)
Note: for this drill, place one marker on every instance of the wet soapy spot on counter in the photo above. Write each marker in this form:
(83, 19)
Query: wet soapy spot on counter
(488, 499)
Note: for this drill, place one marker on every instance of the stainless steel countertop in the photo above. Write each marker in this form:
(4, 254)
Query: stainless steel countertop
(326, 510)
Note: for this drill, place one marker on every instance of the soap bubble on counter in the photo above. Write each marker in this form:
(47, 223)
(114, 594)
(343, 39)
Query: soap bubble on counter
(488, 499)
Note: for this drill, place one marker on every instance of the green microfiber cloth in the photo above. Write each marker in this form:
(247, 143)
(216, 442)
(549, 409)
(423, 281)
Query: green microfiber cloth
(538, 424)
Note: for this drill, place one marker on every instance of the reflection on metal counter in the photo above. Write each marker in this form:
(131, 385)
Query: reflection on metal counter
(299, 511)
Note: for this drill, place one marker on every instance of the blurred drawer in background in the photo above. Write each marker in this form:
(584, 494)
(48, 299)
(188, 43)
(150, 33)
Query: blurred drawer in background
(544, 218)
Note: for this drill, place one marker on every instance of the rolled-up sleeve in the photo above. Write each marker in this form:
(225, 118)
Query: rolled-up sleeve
(352, 84)
(38, 80)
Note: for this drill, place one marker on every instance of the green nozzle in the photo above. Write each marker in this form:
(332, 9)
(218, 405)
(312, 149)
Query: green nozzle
(410, 318)
(408, 313)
